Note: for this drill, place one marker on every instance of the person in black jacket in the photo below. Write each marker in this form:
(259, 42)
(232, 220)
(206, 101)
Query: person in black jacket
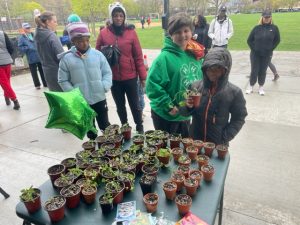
(222, 110)
(201, 32)
(262, 41)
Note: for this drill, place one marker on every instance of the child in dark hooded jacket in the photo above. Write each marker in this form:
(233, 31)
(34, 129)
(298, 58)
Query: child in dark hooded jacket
(222, 109)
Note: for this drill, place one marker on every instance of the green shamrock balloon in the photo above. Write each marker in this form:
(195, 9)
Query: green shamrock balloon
(70, 111)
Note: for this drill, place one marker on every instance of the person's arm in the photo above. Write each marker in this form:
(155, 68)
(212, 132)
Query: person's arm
(106, 73)
(22, 46)
(230, 29)
(238, 113)
(9, 45)
(56, 46)
(250, 39)
(211, 32)
(64, 77)
(277, 37)
(98, 42)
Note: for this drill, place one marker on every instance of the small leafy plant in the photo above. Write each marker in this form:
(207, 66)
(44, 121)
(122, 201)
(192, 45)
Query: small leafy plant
(29, 194)
(164, 152)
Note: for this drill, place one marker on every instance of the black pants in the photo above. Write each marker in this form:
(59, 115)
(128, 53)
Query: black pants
(102, 117)
(33, 70)
(129, 88)
(179, 127)
(259, 66)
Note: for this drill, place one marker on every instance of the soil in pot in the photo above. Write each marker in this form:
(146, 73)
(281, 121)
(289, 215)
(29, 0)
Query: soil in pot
(192, 152)
(222, 151)
(178, 178)
(55, 208)
(89, 192)
(100, 140)
(31, 198)
(150, 169)
(198, 144)
(106, 202)
(176, 152)
(202, 160)
(81, 182)
(72, 195)
(83, 155)
(184, 169)
(150, 150)
(147, 183)
(55, 172)
(151, 202)
(196, 174)
(63, 181)
(191, 186)
(184, 203)
(184, 160)
(209, 148)
(170, 190)
(89, 146)
(208, 172)
(187, 142)
(69, 163)
(138, 140)
(175, 140)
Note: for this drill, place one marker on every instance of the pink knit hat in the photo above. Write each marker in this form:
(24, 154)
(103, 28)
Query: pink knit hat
(78, 29)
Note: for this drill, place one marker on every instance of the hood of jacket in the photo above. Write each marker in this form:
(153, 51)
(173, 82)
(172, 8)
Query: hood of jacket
(72, 50)
(217, 57)
(170, 46)
(41, 34)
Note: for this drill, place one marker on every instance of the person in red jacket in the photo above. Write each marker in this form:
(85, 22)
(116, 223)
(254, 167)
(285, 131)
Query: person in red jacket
(130, 65)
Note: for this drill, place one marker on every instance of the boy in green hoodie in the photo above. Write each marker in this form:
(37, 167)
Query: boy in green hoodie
(171, 74)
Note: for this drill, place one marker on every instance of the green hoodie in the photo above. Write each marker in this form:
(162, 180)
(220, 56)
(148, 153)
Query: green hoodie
(169, 77)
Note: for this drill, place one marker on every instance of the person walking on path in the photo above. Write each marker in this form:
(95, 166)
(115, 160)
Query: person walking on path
(262, 40)
(177, 66)
(48, 47)
(87, 69)
(143, 22)
(6, 50)
(220, 29)
(129, 66)
(27, 46)
(222, 110)
(201, 32)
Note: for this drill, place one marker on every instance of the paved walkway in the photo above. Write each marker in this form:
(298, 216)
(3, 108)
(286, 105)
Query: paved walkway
(262, 185)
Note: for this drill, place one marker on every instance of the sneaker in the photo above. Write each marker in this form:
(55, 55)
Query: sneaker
(140, 129)
(261, 91)
(276, 77)
(16, 105)
(249, 90)
(7, 101)
(38, 88)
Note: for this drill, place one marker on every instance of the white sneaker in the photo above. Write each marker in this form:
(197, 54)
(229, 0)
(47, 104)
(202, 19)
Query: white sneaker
(261, 91)
(249, 90)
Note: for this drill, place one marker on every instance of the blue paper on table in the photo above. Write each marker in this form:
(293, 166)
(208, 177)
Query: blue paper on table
(126, 211)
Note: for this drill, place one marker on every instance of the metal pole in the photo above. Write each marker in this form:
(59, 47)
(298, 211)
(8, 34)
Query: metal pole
(8, 13)
(165, 17)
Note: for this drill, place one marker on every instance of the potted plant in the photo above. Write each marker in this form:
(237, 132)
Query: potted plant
(126, 131)
(31, 197)
(192, 152)
(177, 152)
(116, 188)
(151, 202)
(202, 160)
(100, 140)
(196, 174)
(150, 169)
(147, 183)
(184, 169)
(107, 146)
(81, 182)
(89, 145)
(63, 181)
(91, 173)
(222, 151)
(69, 163)
(184, 203)
(178, 178)
(208, 172)
(209, 148)
(82, 155)
(195, 95)
(98, 153)
(112, 129)
(191, 186)
(175, 140)
(117, 140)
(72, 195)
(55, 208)
(109, 173)
(138, 140)
(163, 155)
(89, 191)
(106, 202)
(150, 150)
(55, 171)
(170, 188)
(198, 144)
(128, 179)
(187, 142)
(113, 153)
(128, 165)
(76, 172)
(184, 160)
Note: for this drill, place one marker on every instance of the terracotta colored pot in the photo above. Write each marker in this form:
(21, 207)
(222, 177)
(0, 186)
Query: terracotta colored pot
(196, 100)
(59, 184)
(198, 144)
(178, 178)
(164, 159)
(72, 199)
(81, 182)
(55, 172)
(117, 195)
(170, 189)
(89, 195)
(209, 148)
(184, 203)
(192, 152)
(208, 172)
(222, 151)
(57, 211)
(184, 169)
(89, 145)
(35, 205)
(127, 134)
(202, 160)
(176, 152)
(191, 186)
(138, 139)
(127, 182)
(184, 160)
(187, 142)
(151, 202)
(196, 174)
(175, 141)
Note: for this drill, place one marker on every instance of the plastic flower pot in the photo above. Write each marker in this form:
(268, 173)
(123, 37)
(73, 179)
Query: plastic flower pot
(89, 193)
(184, 203)
(191, 186)
(184, 160)
(151, 202)
(176, 152)
(196, 99)
(150, 169)
(198, 144)
(55, 208)
(178, 178)
(138, 139)
(126, 133)
(222, 151)
(72, 195)
(89, 146)
(117, 193)
(55, 172)
(170, 190)
(69, 163)
(147, 183)
(106, 204)
(34, 204)
(209, 148)
(100, 140)
(175, 140)
(196, 174)
(184, 169)
(187, 142)
(192, 152)
(208, 172)
(202, 160)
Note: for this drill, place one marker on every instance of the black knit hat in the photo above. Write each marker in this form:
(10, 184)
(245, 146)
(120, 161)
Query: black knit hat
(266, 13)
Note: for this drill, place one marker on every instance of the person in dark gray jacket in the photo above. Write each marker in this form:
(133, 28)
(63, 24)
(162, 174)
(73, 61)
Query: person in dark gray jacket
(222, 109)
(48, 47)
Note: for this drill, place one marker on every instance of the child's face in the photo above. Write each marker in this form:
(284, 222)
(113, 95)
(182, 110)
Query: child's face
(214, 73)
(82, 43)
(182, 36)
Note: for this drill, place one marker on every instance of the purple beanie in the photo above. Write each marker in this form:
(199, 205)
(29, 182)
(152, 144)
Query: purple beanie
(78, 29)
